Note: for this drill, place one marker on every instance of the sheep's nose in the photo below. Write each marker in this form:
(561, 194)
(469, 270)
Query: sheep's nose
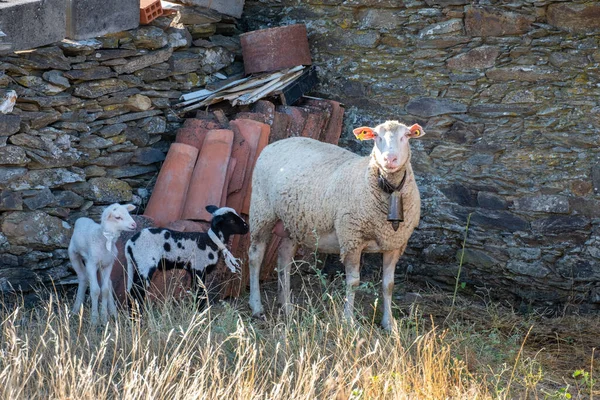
(390, 160)
(133, 225)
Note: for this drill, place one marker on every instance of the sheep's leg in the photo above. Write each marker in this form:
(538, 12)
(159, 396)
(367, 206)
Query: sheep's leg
(351, 260)
(256, 254)
(390, 259)
(79, 267)
(106, 293)
(287, 250)
(92, 269)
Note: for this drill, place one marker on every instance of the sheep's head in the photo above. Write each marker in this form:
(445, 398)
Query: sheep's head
(227, 221)
(391, 150)
(116, 218)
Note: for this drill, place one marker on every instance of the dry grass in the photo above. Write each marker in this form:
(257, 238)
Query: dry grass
(174, 352)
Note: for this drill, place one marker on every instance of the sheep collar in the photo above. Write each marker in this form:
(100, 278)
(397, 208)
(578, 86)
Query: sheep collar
(387, 187)
(395, 208)
(111, 237)
(231, 262)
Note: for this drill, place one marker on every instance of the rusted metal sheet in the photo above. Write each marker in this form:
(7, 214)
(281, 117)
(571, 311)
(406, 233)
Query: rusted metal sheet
(275, 48)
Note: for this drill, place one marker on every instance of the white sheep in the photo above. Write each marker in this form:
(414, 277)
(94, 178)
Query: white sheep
(329, 199)
(92, 249)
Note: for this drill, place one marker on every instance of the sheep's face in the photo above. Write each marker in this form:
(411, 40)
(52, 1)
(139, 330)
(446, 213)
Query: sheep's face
(391, 150)
(117, 217)
(227, 220)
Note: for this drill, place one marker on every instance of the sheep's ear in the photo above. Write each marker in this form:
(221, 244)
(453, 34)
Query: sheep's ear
(211, 209)
(415, 131)
(129, 207)
(364, 133)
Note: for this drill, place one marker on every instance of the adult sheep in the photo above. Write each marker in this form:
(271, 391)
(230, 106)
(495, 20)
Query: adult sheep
(325, 198)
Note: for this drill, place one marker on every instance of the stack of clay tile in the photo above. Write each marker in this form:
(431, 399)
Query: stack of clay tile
(212, 160)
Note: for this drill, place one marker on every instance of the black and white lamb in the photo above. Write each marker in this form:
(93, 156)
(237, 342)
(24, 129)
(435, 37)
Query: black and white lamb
(196, 252)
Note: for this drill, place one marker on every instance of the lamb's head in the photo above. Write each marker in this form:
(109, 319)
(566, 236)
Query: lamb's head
(116, 218)
(391, 150)
(227, 221)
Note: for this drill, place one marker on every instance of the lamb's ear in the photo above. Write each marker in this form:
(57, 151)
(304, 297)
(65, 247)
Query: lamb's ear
(364, 133)
(211, 209)
(129, 207)
(415, 131)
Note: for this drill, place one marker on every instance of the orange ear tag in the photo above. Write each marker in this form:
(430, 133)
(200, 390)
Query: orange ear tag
(365, 134)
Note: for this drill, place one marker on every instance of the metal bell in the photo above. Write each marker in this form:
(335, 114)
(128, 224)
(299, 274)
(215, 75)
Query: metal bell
(395, 210)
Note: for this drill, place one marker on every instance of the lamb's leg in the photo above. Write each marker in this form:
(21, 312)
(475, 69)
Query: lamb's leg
(92, 269)
(287, 250)
(390, 259)
(256, 254)
(351, 260)
(79, 267)
(107, 293)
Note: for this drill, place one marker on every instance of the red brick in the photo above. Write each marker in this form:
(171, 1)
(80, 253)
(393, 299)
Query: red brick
(253, 116)
(315, 124)
(170, 191)
(210, 173)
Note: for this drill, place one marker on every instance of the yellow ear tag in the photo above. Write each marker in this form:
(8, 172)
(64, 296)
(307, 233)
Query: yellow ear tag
(417, 133)
(365, 135)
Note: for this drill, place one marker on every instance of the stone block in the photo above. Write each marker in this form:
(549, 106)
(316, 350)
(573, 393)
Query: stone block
(28, 24)
(91, 18)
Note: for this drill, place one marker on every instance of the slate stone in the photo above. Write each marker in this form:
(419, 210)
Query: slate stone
(442, 28)
(534, 269)
(112, 130)
(543, 203)
(531, 73)
(36, 230)
(11, 201)
(13, 155)
(45, 58)
(9, 124)
(557, 224)
(56, 78)
(109, 190)
(113, 160)
(149, 37)
(90, 74)
(79, 47)
(104, 55)
(459, 194)
(10, 174)
(137, 136)
(153, 125)
(491, 201)
(95, 89)
(489, 21)
(596, 178)
(182, 62)
(39, 85)
(94, 142)
(430, 107)
(128, 172)
(136, 63)
(46, 178)
(148, 156)
(500, 220)
(500, 110)
(477, 258)
(477, 58)
(577, 18)
(41, 199)
(67, 199)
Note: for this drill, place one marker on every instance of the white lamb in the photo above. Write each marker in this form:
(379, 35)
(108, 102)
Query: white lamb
(93, 248)
(322, 196)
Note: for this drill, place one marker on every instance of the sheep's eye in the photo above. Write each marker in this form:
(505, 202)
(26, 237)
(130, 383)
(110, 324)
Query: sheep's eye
(118, 218)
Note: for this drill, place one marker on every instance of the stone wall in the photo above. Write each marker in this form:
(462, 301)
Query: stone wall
(92, 123)
(509, 95)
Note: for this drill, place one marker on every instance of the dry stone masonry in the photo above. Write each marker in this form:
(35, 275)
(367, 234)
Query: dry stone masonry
(509, 94)
(92, 123)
